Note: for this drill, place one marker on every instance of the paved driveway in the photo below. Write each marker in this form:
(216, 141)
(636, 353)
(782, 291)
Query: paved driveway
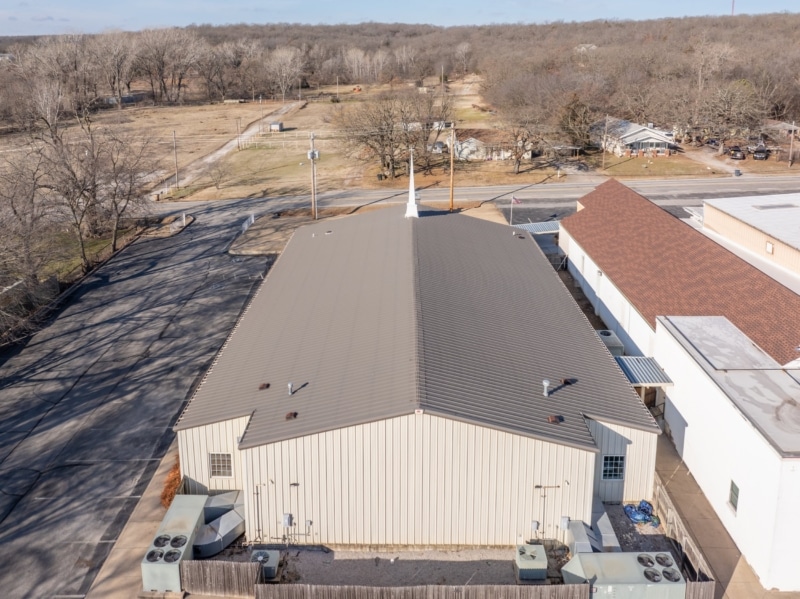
(87, 405)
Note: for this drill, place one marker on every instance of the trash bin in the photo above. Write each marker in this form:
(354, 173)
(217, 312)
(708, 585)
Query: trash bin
(380, 176)
(737, 173)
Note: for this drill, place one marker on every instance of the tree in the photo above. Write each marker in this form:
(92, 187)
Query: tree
(732, 110)
(575, 121)
(113, 54)
(126, 170)
(386, 127)
(285, 65)
(463, 56)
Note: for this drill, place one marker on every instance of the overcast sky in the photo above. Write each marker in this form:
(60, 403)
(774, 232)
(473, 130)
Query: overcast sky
(31, 17)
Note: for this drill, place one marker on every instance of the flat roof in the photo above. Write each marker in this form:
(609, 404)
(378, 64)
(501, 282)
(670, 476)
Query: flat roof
(766, 394)
(775, 215)
(374, 316)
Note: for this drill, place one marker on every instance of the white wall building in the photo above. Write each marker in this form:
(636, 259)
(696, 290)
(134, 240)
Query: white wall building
(416, 350)
(727, 335)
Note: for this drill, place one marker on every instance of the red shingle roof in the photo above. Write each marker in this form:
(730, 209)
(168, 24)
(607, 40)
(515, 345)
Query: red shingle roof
(666, 268)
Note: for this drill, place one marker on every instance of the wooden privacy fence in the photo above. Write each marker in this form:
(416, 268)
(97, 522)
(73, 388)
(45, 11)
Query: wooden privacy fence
(682, 541)
(307, 591)
(225, 579)
(700, 590)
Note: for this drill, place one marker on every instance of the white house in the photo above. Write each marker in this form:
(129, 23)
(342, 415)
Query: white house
(727, 335)
(622, 137)
(415, 382)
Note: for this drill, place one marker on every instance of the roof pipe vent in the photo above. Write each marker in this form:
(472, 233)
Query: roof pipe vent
(546, 385)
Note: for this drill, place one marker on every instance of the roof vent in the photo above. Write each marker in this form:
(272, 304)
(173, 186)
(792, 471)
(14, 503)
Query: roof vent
(553, 419)
(566, 382)
(291, 415)
(263, 386)
(546, 385)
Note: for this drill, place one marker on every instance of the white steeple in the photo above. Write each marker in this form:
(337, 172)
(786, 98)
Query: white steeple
(411, 207)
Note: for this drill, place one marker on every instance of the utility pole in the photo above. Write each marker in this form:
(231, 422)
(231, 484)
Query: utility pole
(312, 156)
(605, 137)
(452, 160)
(443, 81)
(733, 5)
(238, 133)
(791, 145)
(175, 150)
(337, 87)
(261, 120)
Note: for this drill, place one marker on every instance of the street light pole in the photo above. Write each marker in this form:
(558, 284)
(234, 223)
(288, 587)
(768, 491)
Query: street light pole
(313, 155)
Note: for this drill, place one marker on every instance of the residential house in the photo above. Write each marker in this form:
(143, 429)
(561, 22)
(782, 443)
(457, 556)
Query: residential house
(624, 138)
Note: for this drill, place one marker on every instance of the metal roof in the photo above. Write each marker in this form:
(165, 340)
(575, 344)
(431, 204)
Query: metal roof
(543, 228)
(775, 215)
(374, 316)
(643, 371)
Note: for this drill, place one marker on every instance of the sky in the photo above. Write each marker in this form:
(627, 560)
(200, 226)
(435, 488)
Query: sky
(41, 17)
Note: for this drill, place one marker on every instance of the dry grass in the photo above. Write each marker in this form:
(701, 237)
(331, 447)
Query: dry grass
(171, 484)
(676, 165)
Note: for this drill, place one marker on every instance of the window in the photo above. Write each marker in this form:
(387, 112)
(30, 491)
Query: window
(613, 467)
(733, 497)
(221, 464)
(770, 247)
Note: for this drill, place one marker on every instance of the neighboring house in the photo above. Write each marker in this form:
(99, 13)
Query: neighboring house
(385, 387)
(481, 144)
(624, 138)
(768, 226)
(728, 336)
(781, 129)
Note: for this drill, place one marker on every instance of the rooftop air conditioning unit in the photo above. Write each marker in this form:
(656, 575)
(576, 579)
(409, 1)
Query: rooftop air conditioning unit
(269, 562)
(613, 343)
(641, 575)
(530, 562)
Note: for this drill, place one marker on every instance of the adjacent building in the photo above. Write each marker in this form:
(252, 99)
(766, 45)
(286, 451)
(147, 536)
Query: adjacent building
(421, 381)
(728, 336)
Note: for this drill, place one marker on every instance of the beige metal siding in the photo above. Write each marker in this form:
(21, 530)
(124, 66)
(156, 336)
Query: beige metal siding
(195, 445)
(751, 238)
(416, 480)
(639, 449)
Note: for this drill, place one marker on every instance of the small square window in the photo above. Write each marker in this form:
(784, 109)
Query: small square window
(221, 464)
(613, 467)
(733, 496)
(770, 247)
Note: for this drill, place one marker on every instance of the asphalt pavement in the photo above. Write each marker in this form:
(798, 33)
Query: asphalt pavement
(87, 404)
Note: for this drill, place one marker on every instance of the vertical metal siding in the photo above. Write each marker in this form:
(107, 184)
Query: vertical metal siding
(416, 480)
(196, 443)
(639, 449)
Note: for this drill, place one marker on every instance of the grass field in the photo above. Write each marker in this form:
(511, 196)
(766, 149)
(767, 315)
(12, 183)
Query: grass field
(676, 165)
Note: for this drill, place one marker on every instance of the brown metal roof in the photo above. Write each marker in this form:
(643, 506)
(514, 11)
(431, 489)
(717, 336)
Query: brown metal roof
(666, 268)
(384, 315)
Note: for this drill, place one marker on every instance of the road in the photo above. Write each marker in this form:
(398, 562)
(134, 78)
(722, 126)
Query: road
(87, 405)
(538, 198)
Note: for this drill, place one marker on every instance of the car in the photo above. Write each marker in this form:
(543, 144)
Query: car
(736, 153)
(712, 142)
(760, 153)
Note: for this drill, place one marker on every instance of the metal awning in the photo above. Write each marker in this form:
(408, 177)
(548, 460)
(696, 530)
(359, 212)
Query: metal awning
(544, 228)
(643, 372)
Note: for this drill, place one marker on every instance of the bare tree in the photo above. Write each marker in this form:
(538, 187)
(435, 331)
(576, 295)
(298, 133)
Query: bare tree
(386, 127)
(463, 56)
(113, 53)
(126, 170)
(285, 66)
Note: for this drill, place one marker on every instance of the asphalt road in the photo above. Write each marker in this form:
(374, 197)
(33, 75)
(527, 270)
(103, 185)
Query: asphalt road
(87, 405)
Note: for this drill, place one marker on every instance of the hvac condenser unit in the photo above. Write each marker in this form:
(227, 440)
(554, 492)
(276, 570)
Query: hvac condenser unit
(630, 575)
(530, 562)
(269, 560)
(613, 342)
(173, 543)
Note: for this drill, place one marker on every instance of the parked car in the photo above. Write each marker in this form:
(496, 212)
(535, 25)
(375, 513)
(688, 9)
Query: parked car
(712, 142)
(760, 153)
(736, 153)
